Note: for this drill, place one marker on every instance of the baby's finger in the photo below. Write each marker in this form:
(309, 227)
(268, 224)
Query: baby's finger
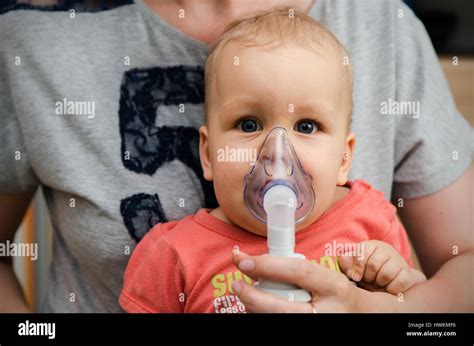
(345, 264)
(406, 279)
(359, 261)
(400, 283)
(417, 277)
(374, 263)
(388, 272)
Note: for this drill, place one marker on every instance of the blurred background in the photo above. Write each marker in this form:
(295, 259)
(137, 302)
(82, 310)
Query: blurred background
(450, 25)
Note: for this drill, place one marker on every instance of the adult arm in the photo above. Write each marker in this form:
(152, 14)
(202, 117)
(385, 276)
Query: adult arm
(440, 226)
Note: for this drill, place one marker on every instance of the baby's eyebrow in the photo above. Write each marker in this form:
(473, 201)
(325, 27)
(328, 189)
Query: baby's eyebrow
(240, 102)
(314, 107)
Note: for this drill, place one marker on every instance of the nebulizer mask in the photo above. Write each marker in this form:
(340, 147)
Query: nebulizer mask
(279, 193)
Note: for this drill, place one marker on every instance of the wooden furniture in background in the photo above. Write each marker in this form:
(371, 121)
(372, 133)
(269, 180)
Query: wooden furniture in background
(461, 81)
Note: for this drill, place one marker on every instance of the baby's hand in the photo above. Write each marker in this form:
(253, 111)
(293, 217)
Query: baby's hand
(379, 267)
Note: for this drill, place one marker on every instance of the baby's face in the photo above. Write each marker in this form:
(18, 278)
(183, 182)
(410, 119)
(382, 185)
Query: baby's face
(306, 93)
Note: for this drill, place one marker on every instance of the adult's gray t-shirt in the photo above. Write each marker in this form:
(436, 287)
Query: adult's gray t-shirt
(104, 109)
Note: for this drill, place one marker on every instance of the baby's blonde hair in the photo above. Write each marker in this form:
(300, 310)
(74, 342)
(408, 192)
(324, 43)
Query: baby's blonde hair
(272, 29)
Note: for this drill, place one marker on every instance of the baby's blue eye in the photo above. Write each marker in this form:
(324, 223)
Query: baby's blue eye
(306, 127)
(248, 125)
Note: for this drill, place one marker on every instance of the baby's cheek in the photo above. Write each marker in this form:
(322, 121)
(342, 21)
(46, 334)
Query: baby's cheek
(234, 172)
(229, 179)
(325, 189)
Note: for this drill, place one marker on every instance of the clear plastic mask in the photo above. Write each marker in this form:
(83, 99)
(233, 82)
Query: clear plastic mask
(277, 164)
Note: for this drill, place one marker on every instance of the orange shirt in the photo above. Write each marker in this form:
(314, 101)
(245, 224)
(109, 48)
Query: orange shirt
(186, 265)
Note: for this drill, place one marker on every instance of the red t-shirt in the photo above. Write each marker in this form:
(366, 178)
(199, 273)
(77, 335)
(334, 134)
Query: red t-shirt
(186, 265)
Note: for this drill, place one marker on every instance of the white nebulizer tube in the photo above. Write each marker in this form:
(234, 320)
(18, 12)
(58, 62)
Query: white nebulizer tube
(279, 204)
(280, 193)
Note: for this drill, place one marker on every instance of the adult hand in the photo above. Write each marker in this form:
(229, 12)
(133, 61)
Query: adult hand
(331, 291)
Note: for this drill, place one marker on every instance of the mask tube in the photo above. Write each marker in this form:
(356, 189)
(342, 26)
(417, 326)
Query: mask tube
(279, 192)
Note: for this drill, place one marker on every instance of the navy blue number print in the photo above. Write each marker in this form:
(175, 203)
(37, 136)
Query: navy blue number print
(146, 147)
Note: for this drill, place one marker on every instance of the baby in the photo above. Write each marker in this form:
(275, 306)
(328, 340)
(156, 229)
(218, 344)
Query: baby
(276, 69)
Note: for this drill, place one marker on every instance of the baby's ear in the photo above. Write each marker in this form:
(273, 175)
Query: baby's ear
(347, 157)
(204, 156)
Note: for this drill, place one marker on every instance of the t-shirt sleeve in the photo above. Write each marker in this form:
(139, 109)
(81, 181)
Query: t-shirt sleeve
(153, 280)
(435, 148)
(16, 173)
